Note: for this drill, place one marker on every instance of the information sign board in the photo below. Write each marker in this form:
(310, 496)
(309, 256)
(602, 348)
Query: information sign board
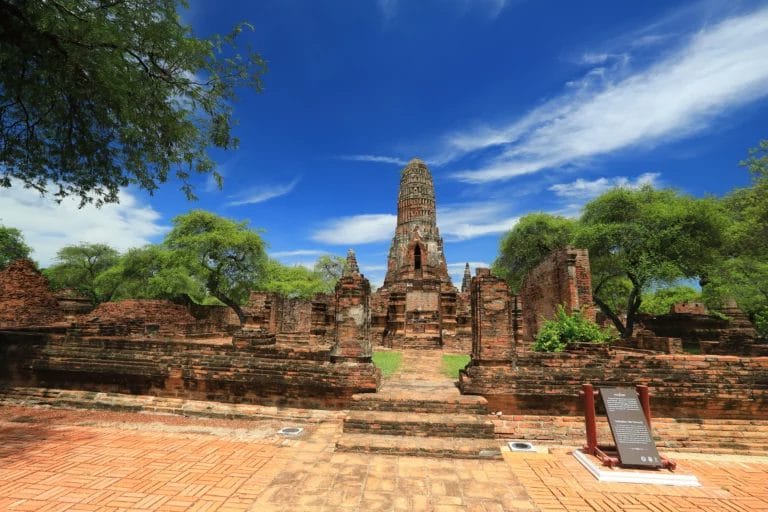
(629, 428)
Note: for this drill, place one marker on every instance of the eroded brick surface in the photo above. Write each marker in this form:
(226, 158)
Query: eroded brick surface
(562, 279)
(25, 297)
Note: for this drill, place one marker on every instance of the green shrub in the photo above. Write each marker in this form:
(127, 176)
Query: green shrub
(555, 334)
(761, 323)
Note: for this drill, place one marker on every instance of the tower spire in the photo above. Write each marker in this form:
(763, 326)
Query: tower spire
(467, 278)
(351, 267)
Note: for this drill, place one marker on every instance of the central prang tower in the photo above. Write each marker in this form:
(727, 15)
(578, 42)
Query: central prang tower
(416, 252)
(416, 307)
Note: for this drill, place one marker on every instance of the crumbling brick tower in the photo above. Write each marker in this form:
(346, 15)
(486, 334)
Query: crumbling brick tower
(353, 294)
(418, 295)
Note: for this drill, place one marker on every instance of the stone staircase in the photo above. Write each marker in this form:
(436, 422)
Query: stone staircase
(420, 412)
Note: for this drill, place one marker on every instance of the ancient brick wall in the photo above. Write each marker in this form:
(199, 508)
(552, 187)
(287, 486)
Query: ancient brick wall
(732, 334)
(492, 322)
(25, 297)
(682, 386)
(132, 316)
(261, 311)
(563, 278)
(267, 374)
(294, 315)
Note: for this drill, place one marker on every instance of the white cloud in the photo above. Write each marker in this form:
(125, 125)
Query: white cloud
(456, 223)
(261, 193)
(491, 8)
(357, 229)
(720, 68)
(584, 189)
(297, 252)
(463, 222)
(388, 8)
(373, 268)
(48, 226)
(375, 159)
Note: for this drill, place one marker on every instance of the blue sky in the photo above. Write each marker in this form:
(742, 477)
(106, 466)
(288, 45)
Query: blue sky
(517, 106)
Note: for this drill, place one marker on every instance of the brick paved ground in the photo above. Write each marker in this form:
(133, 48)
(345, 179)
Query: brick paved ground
(68, 460)
(87, 460)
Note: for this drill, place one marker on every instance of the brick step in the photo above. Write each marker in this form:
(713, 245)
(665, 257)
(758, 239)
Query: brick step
(442, 447)
(293, 338)
(418, 424)
(422, 342)
(415, 401)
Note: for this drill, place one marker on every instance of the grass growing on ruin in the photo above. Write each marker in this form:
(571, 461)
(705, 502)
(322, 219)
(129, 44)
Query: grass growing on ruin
(452, 363)
(388, 362)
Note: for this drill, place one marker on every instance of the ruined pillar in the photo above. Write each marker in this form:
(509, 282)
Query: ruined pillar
(353, 295)
(493, 328)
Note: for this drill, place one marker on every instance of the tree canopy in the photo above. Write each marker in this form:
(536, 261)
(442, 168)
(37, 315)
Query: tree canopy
(637, 239)
(96, 95)
(12, 246)
(742, 271)
(226, 256)
(647, 236)
(80, 267)
(153, 272)
(533, 237)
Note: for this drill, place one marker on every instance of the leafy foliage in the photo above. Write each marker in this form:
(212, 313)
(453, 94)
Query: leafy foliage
(79, 267)
(647, 236)
(660, 301)
(742, 272)
(291, 281)
(153, 272)
(530, 241)
(329, 270)
(12, 246)
(566, 328)
(761, 322)
(224, 255)
(96, 95)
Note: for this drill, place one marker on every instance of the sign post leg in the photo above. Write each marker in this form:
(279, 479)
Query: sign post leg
(588, 395)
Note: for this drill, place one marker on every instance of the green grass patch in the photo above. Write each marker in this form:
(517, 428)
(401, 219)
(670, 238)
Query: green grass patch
(452, 363)
(388, 362)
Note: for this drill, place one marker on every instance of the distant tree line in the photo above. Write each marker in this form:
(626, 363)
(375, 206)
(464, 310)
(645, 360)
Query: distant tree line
(210, 259)
(644, 242)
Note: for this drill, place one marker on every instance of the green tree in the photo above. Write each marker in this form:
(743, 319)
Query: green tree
(152, 272)
(530, 241)
(226, 256)
(742, 271)
(12, 246)
(649, 237)
(79, 267)
(292, 281)
(329, 269)
(661, 300)
(99, 94)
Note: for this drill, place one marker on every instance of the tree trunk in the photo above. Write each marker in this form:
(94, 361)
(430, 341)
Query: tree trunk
(610, 314)
(232, 304)
(633, 304)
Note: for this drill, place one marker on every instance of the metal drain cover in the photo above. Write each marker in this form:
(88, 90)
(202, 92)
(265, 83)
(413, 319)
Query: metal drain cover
(290, 431)
(521, 446)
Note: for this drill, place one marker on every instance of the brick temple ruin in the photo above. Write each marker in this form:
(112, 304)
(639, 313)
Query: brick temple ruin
(317, 352)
